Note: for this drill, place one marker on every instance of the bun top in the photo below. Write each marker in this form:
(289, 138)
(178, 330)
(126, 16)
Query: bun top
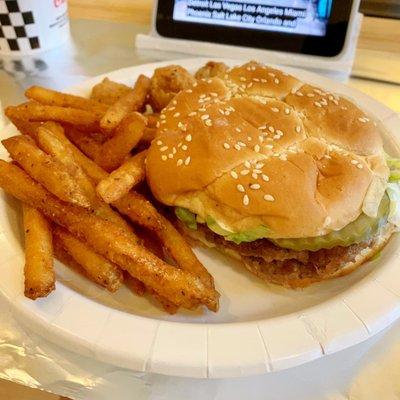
(257, 146)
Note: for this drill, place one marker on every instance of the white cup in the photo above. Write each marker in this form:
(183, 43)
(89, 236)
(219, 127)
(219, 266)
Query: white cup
(32, 26)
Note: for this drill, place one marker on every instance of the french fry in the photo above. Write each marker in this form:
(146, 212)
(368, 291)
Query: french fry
(89, 167)
(128, 134)
(49, 141)
(142, 212)
(109, 92)
(179, 287)
(39, 270)
(96, 267)
(53, 98)
(86, 143)
(133, 284)
(26, 127)
(132, 101)
(123, 179)
(45, 170)
(32, 111)
(148, 135)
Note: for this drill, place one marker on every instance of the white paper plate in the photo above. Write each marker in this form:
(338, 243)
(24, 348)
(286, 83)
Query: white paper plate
(258, 329)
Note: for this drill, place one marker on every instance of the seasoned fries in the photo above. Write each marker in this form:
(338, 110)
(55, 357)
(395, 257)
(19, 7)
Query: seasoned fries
(123, 179)
(32, 111)
(54, 98)
(179, 287)
(109, 92)
(132, 101)
(128, 134)
(75, 174)
(39, 271)
(45, 170)
(99, 269)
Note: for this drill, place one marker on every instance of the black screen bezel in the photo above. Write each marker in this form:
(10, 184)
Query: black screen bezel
(329, 45)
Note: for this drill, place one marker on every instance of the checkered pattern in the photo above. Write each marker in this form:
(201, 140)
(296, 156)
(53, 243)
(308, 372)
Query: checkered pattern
(22, 67)
(16, 28)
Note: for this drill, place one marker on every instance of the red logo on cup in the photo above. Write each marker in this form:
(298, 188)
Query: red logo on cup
(58, 3)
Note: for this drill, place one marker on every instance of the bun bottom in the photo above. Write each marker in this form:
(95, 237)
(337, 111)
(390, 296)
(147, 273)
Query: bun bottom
(289, 268)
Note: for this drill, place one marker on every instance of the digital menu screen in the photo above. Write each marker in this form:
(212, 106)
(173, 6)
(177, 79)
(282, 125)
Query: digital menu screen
(303, 17)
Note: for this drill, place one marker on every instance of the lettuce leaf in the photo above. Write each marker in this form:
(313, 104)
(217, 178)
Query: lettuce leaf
(187, 217)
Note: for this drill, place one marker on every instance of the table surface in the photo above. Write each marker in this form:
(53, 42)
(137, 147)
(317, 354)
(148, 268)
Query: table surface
(87, 56)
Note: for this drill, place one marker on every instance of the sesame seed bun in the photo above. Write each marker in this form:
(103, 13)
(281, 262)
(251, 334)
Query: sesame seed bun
(259, 147)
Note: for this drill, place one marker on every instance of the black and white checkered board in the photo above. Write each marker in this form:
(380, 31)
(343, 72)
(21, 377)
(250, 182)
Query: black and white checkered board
(17, 29)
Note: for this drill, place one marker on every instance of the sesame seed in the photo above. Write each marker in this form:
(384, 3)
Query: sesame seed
(268, 197)
(209, 81)
(269, 146)
(335, 102)
(162, 116)
(262, 127)
(310, 95)
(257, 148)
(279, 132)
(362, 120)
(277, 136)
(187, 161)
(247, 164)
(221, 112)
(249, 138)
(189, 91)
(174, 150)
(276, 80)
(164, 148)
(259, 165)
(250, 85)
(234, 175)
(238, 129)
(255, 186)
(246, 200)
(265, 177)
(283, 157)
(242, 79)
(179, 144)
(184, 147)
(213, 94)
(202, 96)
(255, 176)
(298, 128)
(271, 129)
(359, 166)
(299, 94)
(170, 155)
(188, 138)
(327, 221)
(327, 156)
(271, 74)
(261, 138)
(240, 188)
(205, 116)
(192, 114)
(275, 109)
(354, 162)
(241, 144)
(227, 146)
(195, 84)
(179, 162)
(237, 147)
(159, 142)
(171, 109)
(343, 108)
(176, 115)
(208, 122)
(202, 109)
(263, 80)
(181, 126)
(244, 172)
(318, 104)
(164, 158)
(287, 111)
(157, 124)
(256, 80)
